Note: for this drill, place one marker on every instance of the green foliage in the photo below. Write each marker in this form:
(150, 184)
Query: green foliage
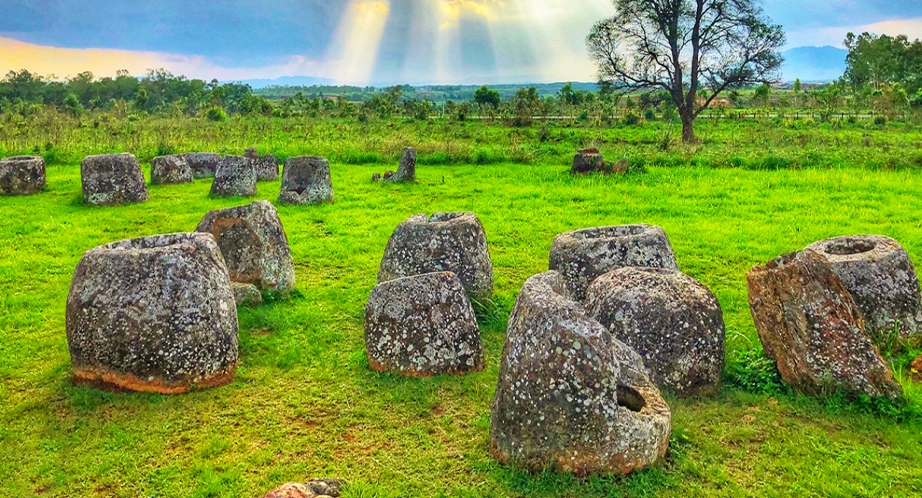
(485, 97)
(216, 114)
(751, 371)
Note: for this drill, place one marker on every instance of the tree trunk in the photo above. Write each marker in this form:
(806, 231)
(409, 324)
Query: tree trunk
(688, 129)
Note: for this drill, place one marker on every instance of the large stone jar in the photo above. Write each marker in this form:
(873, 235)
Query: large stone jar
(154, 314)
(454, 242)
(582, 256)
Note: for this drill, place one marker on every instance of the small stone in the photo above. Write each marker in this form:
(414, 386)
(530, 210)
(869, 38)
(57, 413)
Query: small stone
(254, 245)
(316, 488)
(454, 242)
(421, 326)
(880, 276)
(246, 295)
(591, 410)
(22, 175)
(236, 177)
(622, 167)
(584, 255)
(406, 173)
(673, 322)
(154, 314)
(170, 170)
(916, 369)
(810, 325)
(376, 177)
(388, 174)
(112, 180)
(251, 153)
(306, 181)
(203, 164)
(588, 161)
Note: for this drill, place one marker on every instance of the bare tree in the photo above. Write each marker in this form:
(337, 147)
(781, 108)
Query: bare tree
(694, 49)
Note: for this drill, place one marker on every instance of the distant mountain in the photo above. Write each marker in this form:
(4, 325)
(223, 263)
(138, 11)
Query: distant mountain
(288, 81)
(814, 64)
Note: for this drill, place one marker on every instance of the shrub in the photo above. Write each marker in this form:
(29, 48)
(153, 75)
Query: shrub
(631, 119)
(216, 114)
(750, 370)
(880, 121)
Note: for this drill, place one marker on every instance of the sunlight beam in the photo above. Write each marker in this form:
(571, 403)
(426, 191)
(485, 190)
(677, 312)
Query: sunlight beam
(354, 47)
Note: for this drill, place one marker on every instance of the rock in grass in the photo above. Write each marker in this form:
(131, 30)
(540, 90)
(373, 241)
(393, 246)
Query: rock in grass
(406, 173)
(153, 314)
(254, 245)
(251, 153)
(587, 161)
(112, 180)
(267, 168)
(170, 170)
(453, 242)
(810, 326)
(421, 326)
(236, 177)
(880, 276)
(584, 255)
(22, 175)
(570, 396)
(203, 164)
(246, 295)
(670, 319)
(315, 488)
(306, 181)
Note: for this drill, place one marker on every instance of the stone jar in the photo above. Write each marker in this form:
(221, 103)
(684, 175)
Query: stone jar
(571, 397)
(454, 242)
(154, 314)
(582, 256)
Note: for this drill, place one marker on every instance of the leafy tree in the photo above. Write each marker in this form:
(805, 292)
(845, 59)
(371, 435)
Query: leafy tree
(762, 94)
(485, 97)
(683, 46)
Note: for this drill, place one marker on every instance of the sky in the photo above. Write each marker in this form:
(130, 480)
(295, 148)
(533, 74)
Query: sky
(364, 41)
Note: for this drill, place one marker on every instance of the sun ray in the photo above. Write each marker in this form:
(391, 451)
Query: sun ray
(354, 47)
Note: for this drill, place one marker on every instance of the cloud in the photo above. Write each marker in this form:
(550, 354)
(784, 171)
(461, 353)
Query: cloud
(64, 62)
(835, 35)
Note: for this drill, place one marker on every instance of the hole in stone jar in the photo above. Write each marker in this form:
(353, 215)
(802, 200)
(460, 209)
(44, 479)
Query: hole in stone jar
(443, 217)
(609, 232)
(849, 246)
(629, 398)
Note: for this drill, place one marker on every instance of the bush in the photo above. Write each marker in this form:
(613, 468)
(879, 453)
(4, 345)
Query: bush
(880, 121)
(631, 119)
(216, 114)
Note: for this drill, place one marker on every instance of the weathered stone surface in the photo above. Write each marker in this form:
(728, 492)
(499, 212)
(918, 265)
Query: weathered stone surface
(570, 396)
(254, 245)
(453, 242)
(376, 177)
(673, 322)
(587, 161)
(170, 170)
(584, 255)
(879, 274)
(203, 164)
(153, 314)
(306, 181)
(406, 173)
(236, 177)
(267, 168)
(112, 180)
(811, 327)
(421, 326)
(246, 295)
(315, 488)
(22, 175)
(251, 153)
(622, 167)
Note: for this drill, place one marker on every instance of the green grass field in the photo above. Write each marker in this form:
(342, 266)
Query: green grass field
(304, 403)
